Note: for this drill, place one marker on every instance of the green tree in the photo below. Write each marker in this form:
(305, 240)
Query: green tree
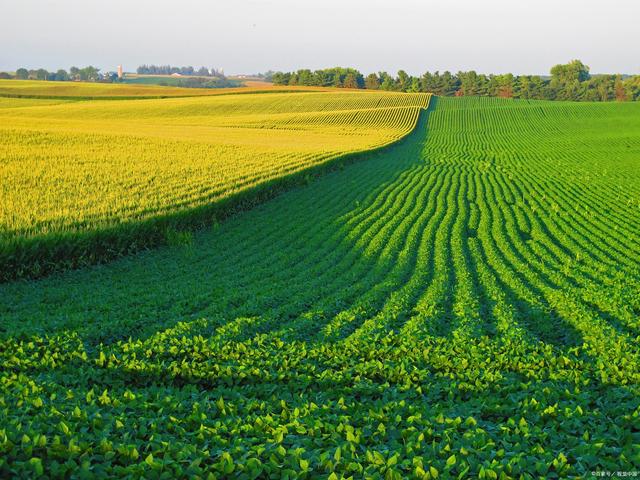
(449, 84)
(372, 82)
(280, 78)
(22, 73)
(305, 77)
(574, 71)
(323, 78)
(632, 88)
(387, 82)
(503, 85)
(415, 85)
(350, 81)
(567, 79)
(470, 83)
(89, 73)
(403, 81)
(619, 90)
(61, 75)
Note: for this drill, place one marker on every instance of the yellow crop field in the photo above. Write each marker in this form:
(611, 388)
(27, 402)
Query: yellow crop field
(85, 180)
(36, 88)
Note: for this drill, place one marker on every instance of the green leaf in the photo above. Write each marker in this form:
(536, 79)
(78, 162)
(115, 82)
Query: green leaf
(64, 428)
(337, 455)
(36, 464)
(451, 461)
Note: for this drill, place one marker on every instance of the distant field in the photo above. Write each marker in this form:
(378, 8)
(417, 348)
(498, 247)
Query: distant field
(170, 80)
(37, 88)
(462, 304)
(153, 80)
(86, 180)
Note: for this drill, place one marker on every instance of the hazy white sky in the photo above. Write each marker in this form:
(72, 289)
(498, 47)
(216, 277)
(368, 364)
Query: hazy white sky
(247, 36)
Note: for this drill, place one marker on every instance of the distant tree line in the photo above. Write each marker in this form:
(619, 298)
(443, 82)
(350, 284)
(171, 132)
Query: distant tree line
(93, 74)
(169, 70)
(86, 74)
(571, 81)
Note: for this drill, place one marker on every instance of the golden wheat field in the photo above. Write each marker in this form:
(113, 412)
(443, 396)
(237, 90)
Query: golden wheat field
(77, 167)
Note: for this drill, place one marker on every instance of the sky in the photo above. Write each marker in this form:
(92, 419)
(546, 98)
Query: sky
(250, 36)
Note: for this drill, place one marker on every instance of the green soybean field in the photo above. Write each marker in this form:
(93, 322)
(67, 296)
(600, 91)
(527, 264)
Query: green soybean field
(462, 304)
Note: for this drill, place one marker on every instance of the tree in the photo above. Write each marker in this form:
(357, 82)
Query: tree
(372, 82)
(620, 93)
(566, 80)
(469, 83)
(504, 85)
(574, 71)
(280, 78)
(449, 84)
(632, 88)
(89, 73)
(41, 74)
(404, 81)
(387, 82)
(323, 78)
(61, 75)
(305, 77)
(337, 79)
(22, 73)
(350, 81)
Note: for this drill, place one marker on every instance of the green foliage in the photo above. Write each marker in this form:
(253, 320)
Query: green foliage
(176, 237)
(329, 77)
(462, 305)
(568, 82)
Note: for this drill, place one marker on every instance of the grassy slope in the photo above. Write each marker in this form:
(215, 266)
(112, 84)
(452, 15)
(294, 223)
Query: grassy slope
(465, 301)
(86, 181)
